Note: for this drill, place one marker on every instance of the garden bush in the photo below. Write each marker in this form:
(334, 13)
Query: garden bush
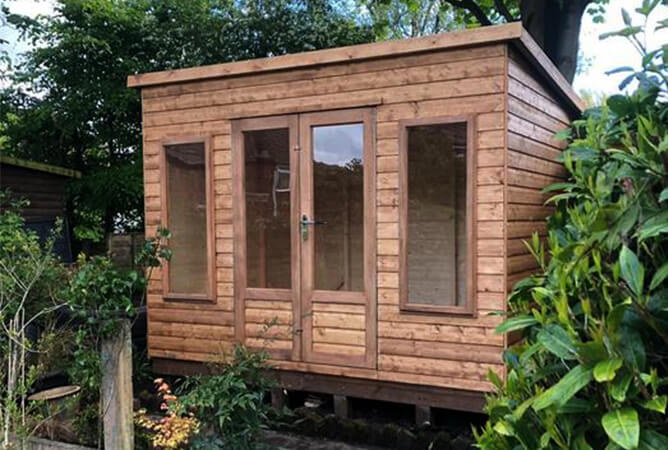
(29, 276)
(38, 294)
(230, 402)
(591, 368)
(100, 296)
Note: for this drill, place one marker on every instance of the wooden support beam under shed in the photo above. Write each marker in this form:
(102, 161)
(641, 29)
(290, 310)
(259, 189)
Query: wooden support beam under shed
(423, 415)
(279, 398)
(342, 406)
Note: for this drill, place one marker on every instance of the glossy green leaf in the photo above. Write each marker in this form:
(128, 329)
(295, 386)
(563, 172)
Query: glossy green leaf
(622, 427)
(591, 352)
(503, 428)
(653, 230)
(626, 17)
(565, 389)
(606, 370)
(515, 323)
(556, 340)
(658, 404)
(620, 386)
(653, 440)
(632, 271)
(664, 195)
(659, 276)
(576, 406)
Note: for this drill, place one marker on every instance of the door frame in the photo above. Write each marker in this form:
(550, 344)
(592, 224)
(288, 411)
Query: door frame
(365, 116)
(241, 291)
(299, 126)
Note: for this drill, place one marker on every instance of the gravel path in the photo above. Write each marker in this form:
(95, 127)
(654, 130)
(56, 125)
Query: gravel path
(277, 439)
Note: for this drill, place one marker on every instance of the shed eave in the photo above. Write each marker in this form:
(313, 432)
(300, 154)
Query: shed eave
(506, 33)
(396, 47)
(33, 165)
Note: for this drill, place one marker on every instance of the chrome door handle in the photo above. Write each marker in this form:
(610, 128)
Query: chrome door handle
(305, 222)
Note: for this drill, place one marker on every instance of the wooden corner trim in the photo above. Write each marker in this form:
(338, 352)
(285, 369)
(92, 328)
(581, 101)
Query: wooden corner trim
(547, 68)
(477, 36)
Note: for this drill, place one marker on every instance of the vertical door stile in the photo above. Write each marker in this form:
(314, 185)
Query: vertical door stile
(239, 232)
(295, 202)
(306, 246)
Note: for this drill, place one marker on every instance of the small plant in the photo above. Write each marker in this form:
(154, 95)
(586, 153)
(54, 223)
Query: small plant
(173, 430)
(230, 402)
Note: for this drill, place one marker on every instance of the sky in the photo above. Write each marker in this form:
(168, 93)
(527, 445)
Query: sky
(599, 56)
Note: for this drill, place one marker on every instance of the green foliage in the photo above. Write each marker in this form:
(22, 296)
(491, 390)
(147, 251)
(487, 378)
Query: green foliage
(68, 103)
(28, 274)
(100, 296)
(591, 370)
(231, 401)
(28, 268)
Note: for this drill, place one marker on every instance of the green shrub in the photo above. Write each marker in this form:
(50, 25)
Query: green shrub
(29, 273)
(100, 296)
(591, 370)
(230, 402)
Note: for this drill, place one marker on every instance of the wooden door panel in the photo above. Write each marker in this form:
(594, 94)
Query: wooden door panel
(266, 241)
(337, 187)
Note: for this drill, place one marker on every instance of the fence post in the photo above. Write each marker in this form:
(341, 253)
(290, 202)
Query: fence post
(116, 388)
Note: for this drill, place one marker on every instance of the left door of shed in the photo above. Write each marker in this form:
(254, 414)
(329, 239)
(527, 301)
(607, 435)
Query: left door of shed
(266, 240)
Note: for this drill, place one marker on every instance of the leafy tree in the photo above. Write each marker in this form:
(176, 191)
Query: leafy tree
(591, 371)
(555, 24)
(68, 103)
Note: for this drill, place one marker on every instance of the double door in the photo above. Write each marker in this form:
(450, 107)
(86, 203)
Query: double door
(304, 230)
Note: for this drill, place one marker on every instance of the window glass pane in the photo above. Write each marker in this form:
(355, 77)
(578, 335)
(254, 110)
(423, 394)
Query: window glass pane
(338, 190)
(186, 194)
(267, 176)
(437, 238)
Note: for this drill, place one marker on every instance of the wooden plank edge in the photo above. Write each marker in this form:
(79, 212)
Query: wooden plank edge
(439, 397)
(530, 48)
(465, 38)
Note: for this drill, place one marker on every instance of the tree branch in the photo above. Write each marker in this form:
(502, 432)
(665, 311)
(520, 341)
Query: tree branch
(473, 8)
(503, 10)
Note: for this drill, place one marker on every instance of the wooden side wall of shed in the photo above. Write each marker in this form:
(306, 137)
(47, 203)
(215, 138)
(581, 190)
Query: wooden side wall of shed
(430, 349)
(534, 116)
(45, 191)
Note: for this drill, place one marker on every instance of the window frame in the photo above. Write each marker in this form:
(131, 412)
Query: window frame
(167, 294)
(469, 308)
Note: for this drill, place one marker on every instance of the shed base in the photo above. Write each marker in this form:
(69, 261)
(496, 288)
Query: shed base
(412, 394)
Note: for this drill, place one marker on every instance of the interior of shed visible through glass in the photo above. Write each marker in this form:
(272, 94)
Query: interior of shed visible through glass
(437, 237)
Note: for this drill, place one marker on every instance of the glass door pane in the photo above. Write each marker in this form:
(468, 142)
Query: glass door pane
(267, 182)
(338, 207)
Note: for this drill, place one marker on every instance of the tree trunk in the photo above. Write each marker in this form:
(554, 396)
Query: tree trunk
(555, 25)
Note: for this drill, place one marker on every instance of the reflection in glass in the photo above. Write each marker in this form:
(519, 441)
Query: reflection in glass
(437, 239)
(267, 177)
(338, 190)
(186, 196)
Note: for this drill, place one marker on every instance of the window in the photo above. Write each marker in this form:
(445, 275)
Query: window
(437, 210)
(189, 273)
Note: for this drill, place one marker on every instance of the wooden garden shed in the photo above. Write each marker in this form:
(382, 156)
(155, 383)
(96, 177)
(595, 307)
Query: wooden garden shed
(369, 203)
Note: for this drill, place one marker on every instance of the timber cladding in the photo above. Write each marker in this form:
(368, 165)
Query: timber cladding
(494, 79)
